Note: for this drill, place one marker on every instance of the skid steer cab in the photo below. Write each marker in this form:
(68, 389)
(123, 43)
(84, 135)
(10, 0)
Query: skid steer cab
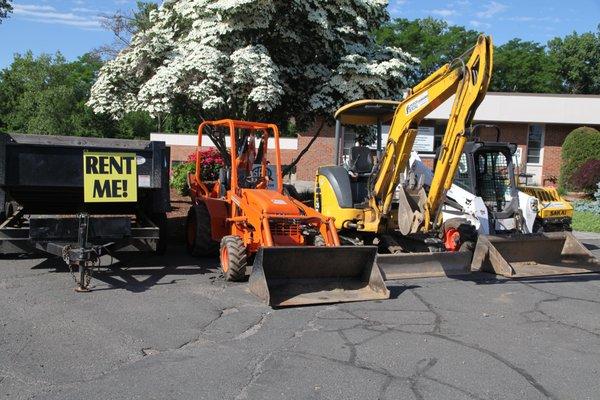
(293, 250)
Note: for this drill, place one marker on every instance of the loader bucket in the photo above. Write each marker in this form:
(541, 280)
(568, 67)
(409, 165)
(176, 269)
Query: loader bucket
(552, 253)
(304, 275)
(424, 265)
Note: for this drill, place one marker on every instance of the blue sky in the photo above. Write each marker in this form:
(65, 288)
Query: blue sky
(73, 26)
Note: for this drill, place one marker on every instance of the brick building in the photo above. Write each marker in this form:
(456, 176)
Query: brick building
(537, 123)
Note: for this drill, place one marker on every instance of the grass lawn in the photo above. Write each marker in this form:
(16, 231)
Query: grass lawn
(586, 221)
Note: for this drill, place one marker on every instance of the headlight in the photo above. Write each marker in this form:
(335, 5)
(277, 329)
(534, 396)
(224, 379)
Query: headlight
(533, 205)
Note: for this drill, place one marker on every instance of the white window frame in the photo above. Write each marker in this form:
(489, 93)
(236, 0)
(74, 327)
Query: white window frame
(541, 162)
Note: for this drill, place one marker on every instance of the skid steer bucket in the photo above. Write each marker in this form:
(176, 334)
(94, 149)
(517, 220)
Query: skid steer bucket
(552, 253)
(424, 265)
(293, 276)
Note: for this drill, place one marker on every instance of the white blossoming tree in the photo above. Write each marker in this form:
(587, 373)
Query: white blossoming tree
(255, 59)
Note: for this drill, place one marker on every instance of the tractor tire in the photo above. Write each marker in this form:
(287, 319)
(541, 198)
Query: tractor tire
(198, 238)
(319, 241)
(234, 258)
(161, 221)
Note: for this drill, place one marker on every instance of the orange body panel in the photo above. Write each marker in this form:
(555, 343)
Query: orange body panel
(269, 202)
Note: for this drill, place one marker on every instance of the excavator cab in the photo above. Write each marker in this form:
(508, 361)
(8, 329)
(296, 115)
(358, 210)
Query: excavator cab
(342, 189)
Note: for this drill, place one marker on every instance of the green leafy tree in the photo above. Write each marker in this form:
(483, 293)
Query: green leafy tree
(521, 66)
(432, 41)
(577, 60)
(47, 95)
(5, 9)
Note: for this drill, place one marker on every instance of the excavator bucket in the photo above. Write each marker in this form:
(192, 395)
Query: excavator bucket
(305, 275)
(552, 253)
(424, 265)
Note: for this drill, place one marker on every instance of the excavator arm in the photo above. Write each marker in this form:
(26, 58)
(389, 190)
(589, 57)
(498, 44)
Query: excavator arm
(469, 81)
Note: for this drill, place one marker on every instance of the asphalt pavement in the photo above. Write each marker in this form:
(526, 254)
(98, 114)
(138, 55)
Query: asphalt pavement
(170, 328)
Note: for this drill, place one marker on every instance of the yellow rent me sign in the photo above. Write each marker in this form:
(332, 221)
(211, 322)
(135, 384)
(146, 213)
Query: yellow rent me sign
(109, 177)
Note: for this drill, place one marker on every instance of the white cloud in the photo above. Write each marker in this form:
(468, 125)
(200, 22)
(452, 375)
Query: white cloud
(33, 7)
(86, 10)
(394, 7)
(49, 15)
(533, 19)
(443, 12)
(491, 9)
(479, 24)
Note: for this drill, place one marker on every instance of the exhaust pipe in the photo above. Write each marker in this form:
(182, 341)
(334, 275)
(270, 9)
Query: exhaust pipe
(552, 253)
(306, 275)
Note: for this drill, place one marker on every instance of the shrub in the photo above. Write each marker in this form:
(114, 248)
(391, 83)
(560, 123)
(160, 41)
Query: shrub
(589, 206)
(581, 145)
(211, 163)
(179, 174)
(586, 177)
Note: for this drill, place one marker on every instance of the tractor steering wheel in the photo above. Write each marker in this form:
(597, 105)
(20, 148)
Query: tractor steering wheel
(252, 181)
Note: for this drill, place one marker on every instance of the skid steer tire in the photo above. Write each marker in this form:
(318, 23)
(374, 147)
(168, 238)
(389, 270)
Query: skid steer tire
(199, 240)
(233, 258)
(467, 247)
(467, 232)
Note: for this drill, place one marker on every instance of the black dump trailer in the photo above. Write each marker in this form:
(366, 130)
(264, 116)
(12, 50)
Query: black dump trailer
(80, 198)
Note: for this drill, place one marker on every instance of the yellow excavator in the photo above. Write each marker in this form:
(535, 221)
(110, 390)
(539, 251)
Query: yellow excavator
(370, 206)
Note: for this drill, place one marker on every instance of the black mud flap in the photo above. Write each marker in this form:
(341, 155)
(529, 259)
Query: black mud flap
(305, 275)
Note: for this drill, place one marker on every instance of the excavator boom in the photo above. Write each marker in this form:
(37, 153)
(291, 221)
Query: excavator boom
(362, 196)
(468, 80)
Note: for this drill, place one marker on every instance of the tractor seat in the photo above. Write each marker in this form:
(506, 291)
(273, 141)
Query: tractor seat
(361, 161)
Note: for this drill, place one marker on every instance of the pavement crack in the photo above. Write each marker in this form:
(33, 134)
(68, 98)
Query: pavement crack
(537, 308)
(287, 347)
(257, 371)
(198, 338)
(420, 371)
(520, 371)
(252, 330)
(558, 296)
(312, 326)
(463, 391)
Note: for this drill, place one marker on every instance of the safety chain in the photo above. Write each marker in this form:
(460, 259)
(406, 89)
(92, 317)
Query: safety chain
(88, 270)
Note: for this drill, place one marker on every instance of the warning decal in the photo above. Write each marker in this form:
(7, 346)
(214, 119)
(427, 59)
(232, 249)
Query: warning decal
(109, 177)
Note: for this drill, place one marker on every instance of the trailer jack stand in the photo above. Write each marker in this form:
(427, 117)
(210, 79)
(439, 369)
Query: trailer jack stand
(83, 283)
(82, 257)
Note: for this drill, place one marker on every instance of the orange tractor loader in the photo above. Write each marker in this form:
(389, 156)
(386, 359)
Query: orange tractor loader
(294, 251)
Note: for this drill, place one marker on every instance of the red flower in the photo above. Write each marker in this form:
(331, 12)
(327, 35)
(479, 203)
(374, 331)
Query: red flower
(211, 163)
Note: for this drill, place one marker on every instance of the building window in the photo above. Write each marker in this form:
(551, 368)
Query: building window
(535, 144)
(440, 130)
